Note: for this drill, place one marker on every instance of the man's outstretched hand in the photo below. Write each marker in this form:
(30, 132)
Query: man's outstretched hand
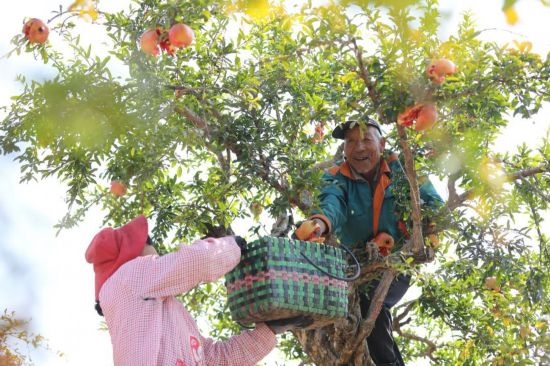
(310, 230)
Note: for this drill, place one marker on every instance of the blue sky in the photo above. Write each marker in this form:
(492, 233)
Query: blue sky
(44, 277)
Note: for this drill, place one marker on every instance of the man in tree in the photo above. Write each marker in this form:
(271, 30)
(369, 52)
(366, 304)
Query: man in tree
(357, 204)
(148, 325)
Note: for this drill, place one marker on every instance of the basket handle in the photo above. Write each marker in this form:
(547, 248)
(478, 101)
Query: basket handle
(244, 326)
(346, 279)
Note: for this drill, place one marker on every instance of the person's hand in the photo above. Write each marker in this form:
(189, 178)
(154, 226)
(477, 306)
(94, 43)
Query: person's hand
(283, 325)
(431, 233)
(240, 242)
(372, 251)
(311, 230)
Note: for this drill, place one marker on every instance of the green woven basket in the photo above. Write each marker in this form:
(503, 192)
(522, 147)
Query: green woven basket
(275, 281)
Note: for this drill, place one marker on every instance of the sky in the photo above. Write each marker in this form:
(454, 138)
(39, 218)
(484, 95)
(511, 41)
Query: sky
(44, 277)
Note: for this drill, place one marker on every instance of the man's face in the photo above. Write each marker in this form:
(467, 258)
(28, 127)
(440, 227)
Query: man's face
(363, 148)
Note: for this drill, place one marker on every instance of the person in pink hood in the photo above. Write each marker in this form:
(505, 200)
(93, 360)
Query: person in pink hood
(135, 290)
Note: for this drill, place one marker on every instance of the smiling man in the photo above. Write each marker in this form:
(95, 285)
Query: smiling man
(357, 204)
(363, 147)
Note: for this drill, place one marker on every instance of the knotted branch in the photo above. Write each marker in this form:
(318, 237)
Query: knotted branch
(357, 343)
(417, 241)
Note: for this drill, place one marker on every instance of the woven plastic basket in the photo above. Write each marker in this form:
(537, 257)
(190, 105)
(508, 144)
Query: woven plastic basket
(275, 280)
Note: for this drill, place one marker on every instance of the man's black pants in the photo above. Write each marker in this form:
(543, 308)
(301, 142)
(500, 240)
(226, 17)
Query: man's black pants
(382, 347)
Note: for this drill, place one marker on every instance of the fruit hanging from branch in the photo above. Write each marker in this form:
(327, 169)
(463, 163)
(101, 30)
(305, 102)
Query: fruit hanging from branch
(118, 188)
(427, 116)
(256, 209)
(181, 35)
(149, 42)
(154, 40)
(319, 133)
(439, 69)
(165, 44)
(491, 283)
(424, 114)
(408, 116)
(433, 240)
(36, 31)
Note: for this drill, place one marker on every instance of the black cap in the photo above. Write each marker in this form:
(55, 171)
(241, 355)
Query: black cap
(340, 131)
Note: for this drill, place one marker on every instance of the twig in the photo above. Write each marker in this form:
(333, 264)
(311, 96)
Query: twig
(398, 323)
(197, 121)
(364, 75)
(408, 307)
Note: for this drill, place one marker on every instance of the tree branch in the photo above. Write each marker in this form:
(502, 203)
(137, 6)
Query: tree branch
(263, 168)
(364, 75)
(367, 325)
(542, 168)
(408, 307)
(202, 125)
(431, 346)
(456, 200)
(451, 187)
(398, 323)
(417, 242)
(197, 121)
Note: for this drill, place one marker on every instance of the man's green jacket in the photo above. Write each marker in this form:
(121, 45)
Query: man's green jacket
(346, 204)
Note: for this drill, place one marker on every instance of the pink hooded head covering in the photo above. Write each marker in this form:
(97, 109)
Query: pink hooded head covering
(111, 248)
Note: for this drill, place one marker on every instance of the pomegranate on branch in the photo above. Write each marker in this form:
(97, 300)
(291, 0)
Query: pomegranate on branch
(181, 35)
(118, 188)
(422, 115)
(149, 42)
(439, 69)
(36, 31)
(154, 40)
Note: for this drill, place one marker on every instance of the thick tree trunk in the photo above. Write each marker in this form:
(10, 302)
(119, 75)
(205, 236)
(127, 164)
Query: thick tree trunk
(344, 343)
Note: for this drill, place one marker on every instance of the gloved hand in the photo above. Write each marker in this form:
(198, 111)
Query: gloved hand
(372, 251)
(283, 325)
(431, 233)
(310, 230)
(240, 242)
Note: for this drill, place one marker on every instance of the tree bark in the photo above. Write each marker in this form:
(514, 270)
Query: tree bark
(344, 343)
(416, 245)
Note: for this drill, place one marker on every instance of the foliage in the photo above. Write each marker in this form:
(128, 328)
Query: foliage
(14, 333)
(200, 136)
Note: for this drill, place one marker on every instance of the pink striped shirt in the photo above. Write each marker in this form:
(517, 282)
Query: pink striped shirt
(149, 326)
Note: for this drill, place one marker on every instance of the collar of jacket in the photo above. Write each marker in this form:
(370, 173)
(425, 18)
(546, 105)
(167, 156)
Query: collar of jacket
(382, 182)
(346, 170)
